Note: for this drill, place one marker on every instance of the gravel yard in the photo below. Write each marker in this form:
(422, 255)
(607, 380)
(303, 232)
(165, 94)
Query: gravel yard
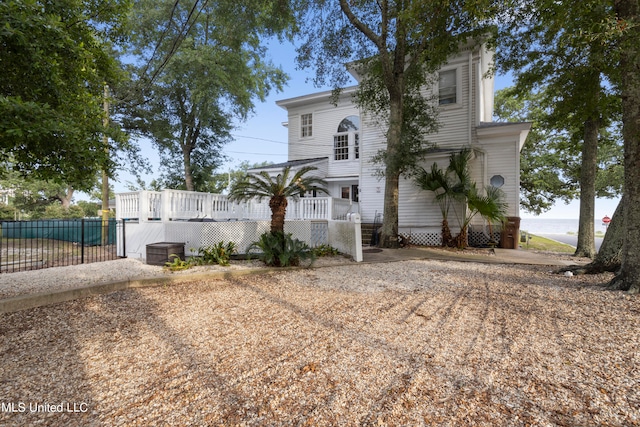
(403, 343)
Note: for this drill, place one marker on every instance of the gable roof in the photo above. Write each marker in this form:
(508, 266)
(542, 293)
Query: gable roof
(325, 96)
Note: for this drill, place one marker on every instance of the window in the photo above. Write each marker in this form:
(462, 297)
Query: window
(341, 147)
(447, 84)
(355, 193)
(347, 135)
(306, 125)
(497, 181)
(349, 124)
(345, 193)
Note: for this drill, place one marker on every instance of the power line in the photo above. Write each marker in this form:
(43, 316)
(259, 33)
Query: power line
(297, 143)
(257, 154)
(259, 139)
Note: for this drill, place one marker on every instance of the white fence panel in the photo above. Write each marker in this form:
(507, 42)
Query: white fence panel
(343, 235)
(174, 205)
(127, 205)
(186, 204)
(343, 207)
(243, 233)
(140, 234)
(346, 236)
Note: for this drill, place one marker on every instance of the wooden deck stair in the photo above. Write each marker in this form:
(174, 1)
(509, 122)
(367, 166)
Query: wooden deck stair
(367, 233)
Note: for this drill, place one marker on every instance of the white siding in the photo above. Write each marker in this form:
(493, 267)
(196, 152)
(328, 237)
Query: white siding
(503, 159)
(455, 119)
(371, 185)
(418, 208)
(326, 119)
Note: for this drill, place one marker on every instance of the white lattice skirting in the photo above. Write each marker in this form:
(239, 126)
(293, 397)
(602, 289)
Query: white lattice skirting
(343, 235)
(477, 238)
(200, 234)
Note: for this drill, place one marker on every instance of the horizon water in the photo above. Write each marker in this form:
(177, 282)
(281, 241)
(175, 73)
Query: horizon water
(555, 226)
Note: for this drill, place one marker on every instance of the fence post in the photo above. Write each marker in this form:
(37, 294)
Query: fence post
(124, 240)
(143, 206)
(82, 241)
(166, 205)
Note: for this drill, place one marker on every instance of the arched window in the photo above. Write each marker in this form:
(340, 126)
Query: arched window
(348, 135)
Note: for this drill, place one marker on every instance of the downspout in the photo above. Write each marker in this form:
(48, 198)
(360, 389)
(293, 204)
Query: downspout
(483, 174)
(471, 104)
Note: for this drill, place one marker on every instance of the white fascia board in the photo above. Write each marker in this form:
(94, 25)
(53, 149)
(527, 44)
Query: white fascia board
(275, 168)
(342, 178)
(517, 131)
(314, 97)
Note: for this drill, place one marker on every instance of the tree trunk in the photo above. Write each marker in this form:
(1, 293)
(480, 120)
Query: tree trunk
(446, 233)
(586, 237)
(461, 241)
(188, 173)
(278, 205)
(65, 199)
(188, 140)
(389, 230)
(610, 254)
(628, 13)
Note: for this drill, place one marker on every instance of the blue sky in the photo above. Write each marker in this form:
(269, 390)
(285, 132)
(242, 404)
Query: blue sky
(263, 138)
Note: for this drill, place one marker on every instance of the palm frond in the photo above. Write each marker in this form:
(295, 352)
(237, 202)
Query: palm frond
(285, 184)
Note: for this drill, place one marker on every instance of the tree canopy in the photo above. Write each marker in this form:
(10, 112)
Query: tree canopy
(551, 47)
(550, 161)
(56, 57)
(200, 66)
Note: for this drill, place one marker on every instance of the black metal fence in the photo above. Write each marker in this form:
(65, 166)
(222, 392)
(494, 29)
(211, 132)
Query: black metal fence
(32, 245)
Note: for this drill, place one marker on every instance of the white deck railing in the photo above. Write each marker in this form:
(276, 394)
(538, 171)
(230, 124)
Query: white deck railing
(172, 205)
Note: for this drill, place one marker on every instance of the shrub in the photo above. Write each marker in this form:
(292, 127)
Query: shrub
(281, 250)
(325, 250)
(217, 254)
(177, 264)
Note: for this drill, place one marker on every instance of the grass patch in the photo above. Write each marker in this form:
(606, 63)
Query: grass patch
(537, 243)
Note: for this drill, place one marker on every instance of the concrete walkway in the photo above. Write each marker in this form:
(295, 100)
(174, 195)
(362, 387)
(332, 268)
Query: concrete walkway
(370, 255)
(499, 256)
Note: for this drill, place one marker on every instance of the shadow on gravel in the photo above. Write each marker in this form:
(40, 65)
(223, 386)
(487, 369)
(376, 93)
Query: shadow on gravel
(286, 348)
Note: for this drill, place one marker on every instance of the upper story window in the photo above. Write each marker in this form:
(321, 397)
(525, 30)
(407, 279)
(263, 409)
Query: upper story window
(306, 125)
(347, 136)
(448, 87)
(356, 147)
(341, 147)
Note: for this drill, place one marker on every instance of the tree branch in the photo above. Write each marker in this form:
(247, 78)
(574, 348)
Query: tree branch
(361, 26)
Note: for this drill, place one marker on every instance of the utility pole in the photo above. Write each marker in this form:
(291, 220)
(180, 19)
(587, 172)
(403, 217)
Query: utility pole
(105, 176)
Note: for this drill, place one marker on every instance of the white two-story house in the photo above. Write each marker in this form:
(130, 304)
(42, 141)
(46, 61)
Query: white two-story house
(340, 141)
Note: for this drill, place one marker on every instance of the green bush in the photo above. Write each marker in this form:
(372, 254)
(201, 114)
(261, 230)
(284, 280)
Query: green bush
(177, 264)
(56, 211)
(325, 250)
(7, 212)
(281, 250)
(217, 254)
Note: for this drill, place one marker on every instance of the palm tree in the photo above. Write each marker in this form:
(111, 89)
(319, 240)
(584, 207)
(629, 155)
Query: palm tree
(277, 189)
(455, 185)
(439, 183)
(451, 185)
(490, 206)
